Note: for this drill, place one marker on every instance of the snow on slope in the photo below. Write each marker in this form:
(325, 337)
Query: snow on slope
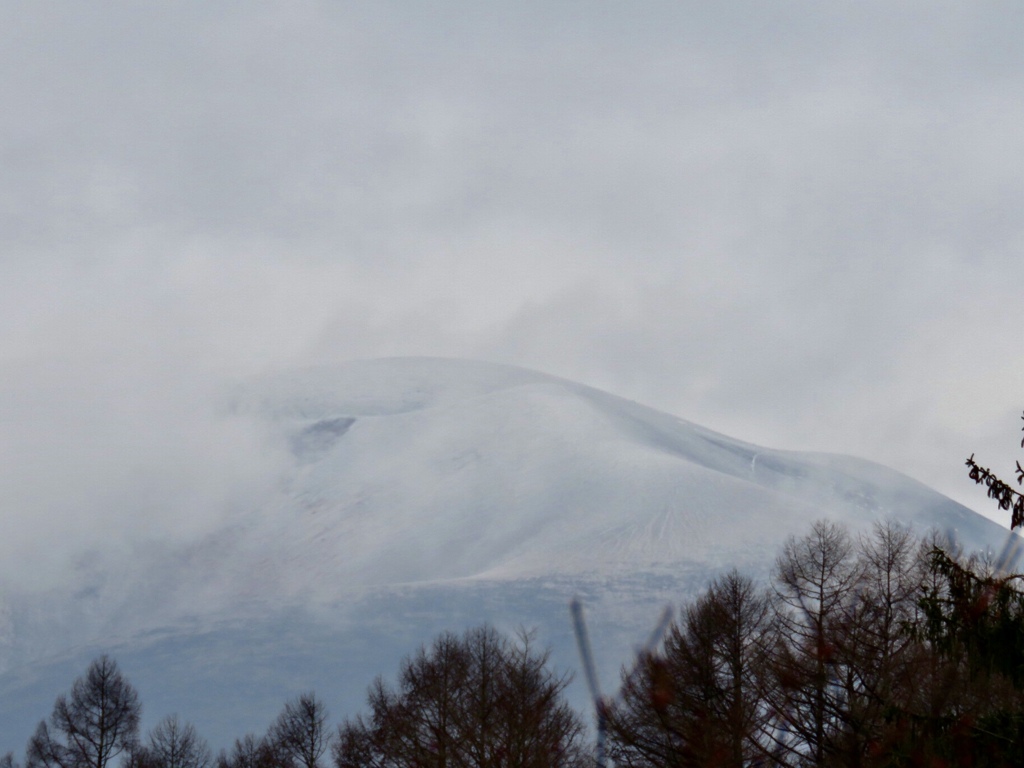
(418, 470)
(425, 494)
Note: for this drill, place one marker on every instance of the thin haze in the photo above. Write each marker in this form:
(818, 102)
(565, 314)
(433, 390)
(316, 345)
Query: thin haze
(797, 223)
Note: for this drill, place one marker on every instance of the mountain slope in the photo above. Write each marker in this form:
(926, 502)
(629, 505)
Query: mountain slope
(424, 494)
(418, 470)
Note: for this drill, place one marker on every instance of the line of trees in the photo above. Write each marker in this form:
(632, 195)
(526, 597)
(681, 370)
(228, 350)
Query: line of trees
(883, 650)
(878, 650)
(471, 700)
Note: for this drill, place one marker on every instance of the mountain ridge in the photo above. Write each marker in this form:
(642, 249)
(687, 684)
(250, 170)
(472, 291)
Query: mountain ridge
(421, 494)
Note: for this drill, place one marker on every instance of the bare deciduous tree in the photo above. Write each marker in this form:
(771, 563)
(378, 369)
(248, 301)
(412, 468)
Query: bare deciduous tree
(471, 701)
(697, 702)
(815, 582)
(98, 721)
(174, 744)
(248, 752)
(873, 647)
(300, 732)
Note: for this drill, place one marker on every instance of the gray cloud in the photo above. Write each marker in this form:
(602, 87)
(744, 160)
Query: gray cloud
(795, 223)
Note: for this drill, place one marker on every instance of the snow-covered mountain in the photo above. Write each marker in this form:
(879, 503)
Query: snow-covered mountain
(421, 495)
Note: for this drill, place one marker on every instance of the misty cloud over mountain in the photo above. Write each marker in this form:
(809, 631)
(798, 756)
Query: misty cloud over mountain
(413, 495)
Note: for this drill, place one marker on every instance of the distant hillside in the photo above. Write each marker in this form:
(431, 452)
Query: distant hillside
(424, 494)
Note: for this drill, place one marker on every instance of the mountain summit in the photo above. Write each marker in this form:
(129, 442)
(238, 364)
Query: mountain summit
(425, 494)
(410, 470)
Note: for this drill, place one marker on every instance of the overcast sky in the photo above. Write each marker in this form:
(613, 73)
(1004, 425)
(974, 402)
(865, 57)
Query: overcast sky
(798, 223)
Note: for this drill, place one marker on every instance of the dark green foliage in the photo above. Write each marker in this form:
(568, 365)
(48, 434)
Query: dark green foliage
(976, 616)
(973, 621)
